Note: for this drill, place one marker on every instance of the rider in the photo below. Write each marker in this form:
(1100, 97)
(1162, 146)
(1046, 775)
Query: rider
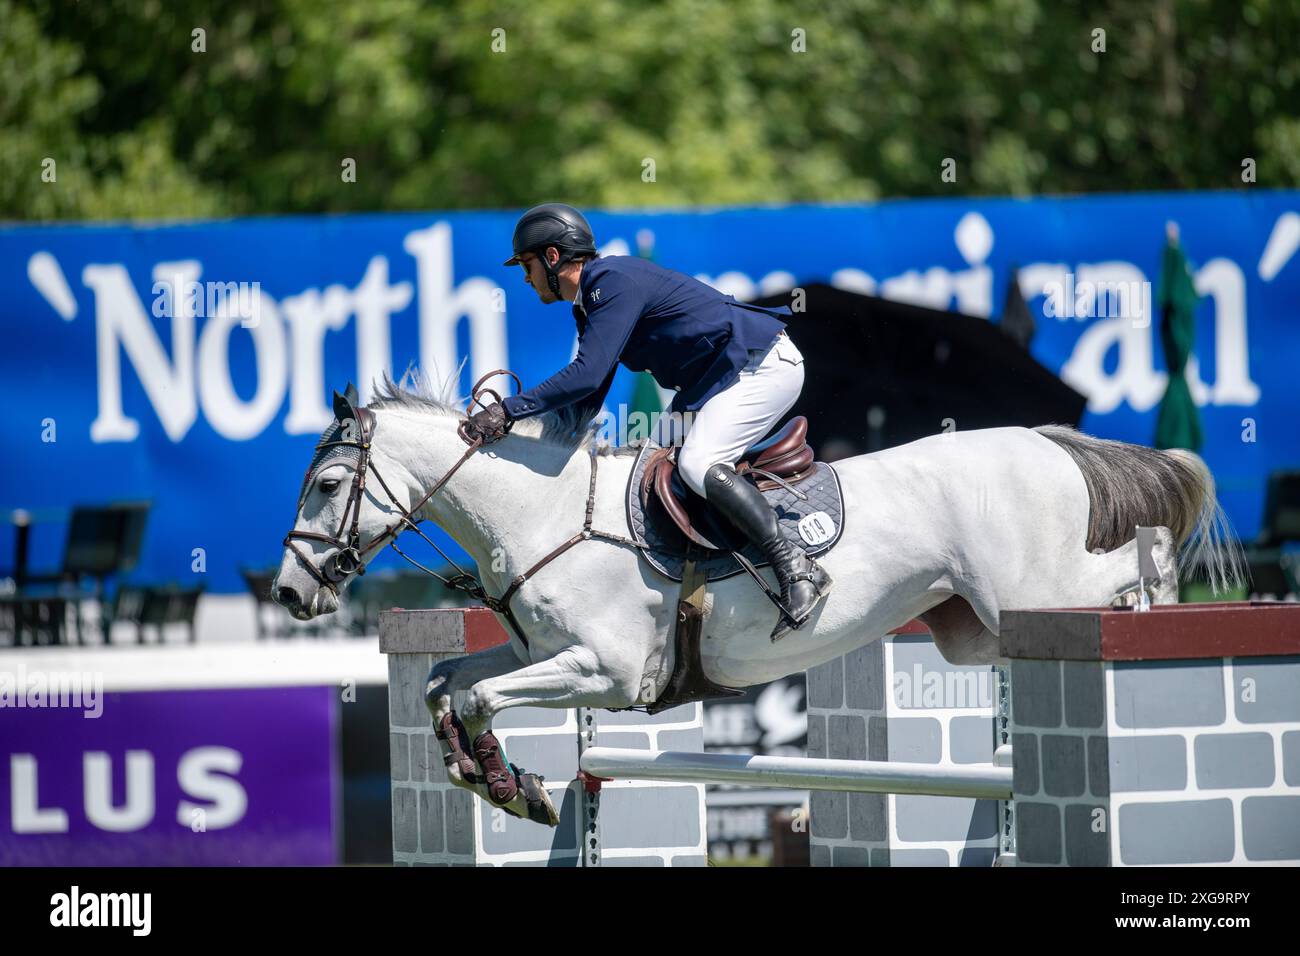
(731, 363)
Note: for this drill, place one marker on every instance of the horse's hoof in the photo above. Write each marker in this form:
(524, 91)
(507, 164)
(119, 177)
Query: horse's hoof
(1126, 599)
(538, 801)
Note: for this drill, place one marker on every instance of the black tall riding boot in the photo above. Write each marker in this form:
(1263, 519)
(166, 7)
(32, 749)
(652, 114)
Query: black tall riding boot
(803, 581)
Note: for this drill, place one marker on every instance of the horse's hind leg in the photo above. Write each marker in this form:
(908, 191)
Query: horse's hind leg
(1103, 579)
(959, 634)
(1118, 572)
(572, 678)
(1165, 554)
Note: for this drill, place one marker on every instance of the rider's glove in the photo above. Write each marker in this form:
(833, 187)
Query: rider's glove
(489, 425)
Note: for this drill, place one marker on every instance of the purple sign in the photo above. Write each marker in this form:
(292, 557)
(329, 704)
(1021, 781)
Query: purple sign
(222, 777)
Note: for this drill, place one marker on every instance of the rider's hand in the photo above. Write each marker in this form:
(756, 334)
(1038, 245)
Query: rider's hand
(489, 425)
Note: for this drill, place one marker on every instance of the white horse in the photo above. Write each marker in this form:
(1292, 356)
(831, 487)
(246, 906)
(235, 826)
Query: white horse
(952, 529)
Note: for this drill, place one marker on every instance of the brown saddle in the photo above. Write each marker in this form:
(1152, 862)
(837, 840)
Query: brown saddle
(786, 456)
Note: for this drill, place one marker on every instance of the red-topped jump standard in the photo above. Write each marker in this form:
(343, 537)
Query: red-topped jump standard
(1166, 632)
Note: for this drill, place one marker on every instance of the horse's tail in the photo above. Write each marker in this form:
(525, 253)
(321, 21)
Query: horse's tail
(1131, 485)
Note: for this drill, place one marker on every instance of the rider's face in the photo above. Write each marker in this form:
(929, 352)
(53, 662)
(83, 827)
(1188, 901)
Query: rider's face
(535, 276)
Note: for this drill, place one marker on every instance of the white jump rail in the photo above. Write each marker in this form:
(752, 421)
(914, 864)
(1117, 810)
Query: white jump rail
(798, 773)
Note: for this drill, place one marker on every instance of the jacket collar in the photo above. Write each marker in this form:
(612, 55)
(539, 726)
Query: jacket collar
(580, 310)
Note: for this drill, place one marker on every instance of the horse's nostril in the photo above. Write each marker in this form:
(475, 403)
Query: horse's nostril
(287, 597)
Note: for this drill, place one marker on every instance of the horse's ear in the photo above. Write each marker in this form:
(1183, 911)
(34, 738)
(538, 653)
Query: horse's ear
(345, 404)
(350, 393)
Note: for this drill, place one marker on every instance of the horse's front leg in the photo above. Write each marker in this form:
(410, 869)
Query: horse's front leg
(445, 679)
(572, 678)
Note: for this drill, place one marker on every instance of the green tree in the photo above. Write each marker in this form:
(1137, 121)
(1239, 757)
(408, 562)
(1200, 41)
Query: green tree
(480, 105)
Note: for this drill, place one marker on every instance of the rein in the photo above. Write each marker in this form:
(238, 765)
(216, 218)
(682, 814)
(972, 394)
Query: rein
(350, 558)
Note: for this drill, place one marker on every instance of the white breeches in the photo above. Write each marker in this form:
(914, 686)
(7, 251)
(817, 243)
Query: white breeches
(740, 415)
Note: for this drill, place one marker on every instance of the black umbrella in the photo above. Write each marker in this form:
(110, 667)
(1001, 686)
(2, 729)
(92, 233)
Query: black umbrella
(1017, 321)
(883, 373)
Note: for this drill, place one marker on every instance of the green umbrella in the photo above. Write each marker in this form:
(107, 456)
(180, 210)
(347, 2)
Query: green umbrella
(1179, 423)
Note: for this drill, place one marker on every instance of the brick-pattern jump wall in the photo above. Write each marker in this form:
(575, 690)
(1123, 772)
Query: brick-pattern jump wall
(436, 823)
(1157, 762)
(898, 699)
(1138, 742)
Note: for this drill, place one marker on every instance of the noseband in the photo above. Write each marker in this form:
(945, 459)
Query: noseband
(349, 556)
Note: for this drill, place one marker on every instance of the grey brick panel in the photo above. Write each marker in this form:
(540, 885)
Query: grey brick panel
(436, 823)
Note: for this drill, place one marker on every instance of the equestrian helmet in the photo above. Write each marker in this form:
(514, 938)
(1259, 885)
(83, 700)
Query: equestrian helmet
(553, 224)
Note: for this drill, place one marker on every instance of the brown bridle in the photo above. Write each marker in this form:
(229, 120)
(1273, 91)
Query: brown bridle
(349, 557)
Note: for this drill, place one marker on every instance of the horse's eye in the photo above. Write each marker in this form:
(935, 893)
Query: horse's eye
(329, 486)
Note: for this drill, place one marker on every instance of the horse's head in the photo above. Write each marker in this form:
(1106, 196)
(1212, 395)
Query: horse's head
(342, 520)
(340, 524)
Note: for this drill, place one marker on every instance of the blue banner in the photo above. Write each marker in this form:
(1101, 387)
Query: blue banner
(192, 365)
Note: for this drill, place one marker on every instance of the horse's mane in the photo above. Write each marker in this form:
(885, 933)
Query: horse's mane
(569, 428)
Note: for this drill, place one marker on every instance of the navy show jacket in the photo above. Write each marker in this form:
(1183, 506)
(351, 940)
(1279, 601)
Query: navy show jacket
(689, 336)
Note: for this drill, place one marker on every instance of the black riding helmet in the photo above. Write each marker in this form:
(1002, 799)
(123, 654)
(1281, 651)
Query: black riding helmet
(553, 224)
